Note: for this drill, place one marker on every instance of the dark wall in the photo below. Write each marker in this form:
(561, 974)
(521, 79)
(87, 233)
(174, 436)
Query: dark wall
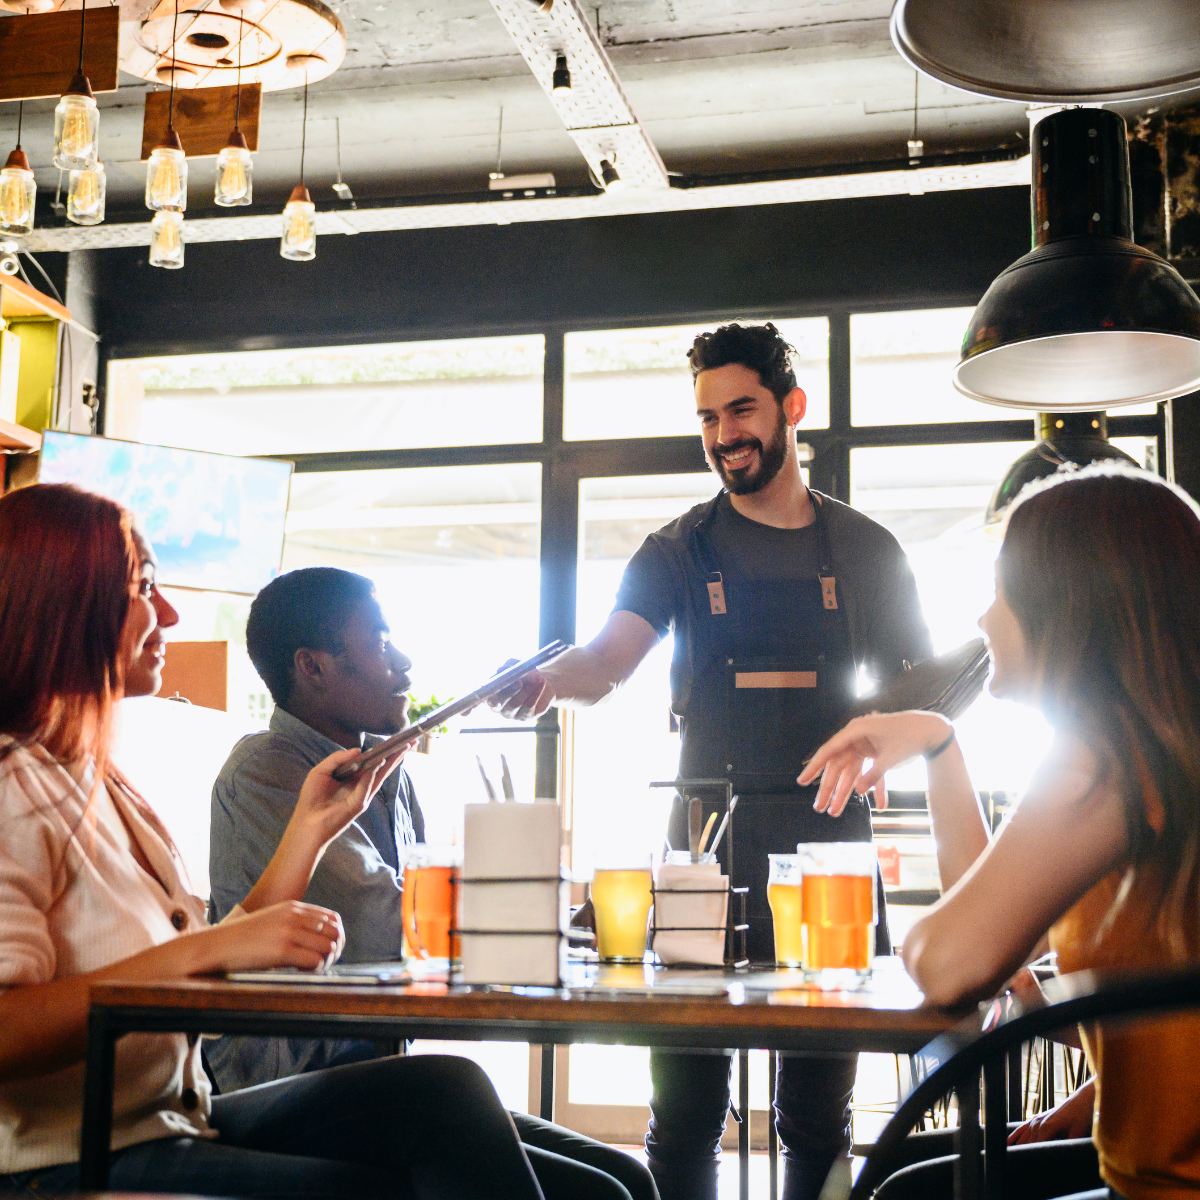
(940, 248)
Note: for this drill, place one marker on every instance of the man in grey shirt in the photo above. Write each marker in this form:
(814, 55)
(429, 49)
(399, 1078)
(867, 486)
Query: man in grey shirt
(320, 642)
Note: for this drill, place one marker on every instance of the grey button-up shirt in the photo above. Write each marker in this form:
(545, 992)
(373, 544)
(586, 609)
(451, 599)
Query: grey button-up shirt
(358, 877)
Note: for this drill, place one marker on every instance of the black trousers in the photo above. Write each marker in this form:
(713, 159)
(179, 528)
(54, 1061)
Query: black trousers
(426, 1128)
(690, 1103)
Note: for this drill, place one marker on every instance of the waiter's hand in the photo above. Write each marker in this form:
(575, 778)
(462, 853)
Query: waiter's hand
(529, 697)
(884, 739)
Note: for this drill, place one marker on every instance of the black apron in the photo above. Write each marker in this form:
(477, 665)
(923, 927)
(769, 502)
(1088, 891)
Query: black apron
(779, 678)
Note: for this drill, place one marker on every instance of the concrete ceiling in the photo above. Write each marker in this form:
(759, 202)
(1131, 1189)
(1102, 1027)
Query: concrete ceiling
(723, 87)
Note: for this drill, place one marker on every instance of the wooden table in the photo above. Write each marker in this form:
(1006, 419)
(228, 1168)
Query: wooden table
(724, 1010)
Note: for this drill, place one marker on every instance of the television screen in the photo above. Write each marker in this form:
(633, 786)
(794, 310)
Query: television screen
(215, 521)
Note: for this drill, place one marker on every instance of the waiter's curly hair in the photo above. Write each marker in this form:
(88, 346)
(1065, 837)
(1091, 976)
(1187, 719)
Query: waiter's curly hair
(762, 348)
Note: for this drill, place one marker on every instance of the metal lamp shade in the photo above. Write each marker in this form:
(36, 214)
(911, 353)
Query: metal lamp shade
(1079, 438)
(1087, 319)
(1053, 51)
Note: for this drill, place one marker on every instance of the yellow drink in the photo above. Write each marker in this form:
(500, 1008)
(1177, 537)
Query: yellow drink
(621, 898)
(839, 922)
(784, 899)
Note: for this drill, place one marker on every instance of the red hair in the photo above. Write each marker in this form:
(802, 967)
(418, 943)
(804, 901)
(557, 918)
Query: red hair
(67, 560)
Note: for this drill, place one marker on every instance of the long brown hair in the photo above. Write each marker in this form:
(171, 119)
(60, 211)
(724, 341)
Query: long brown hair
(1101, 568)
(67, 559)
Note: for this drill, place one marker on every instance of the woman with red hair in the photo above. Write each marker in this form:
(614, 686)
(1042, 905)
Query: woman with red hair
(91, 888)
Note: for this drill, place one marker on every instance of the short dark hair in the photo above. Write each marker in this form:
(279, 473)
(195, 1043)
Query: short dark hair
(762, 348)
(306, 608)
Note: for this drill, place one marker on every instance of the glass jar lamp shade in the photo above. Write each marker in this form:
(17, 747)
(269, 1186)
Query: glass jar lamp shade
(17, 194)
(166, 239)
(85, 196)
(235, 173)
(299, 239)
(76, 127)
(166, 177)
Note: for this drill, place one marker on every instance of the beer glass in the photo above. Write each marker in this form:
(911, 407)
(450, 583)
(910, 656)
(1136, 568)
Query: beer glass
(838, 905)
(783, 895)
(429, 901)
(621, 899)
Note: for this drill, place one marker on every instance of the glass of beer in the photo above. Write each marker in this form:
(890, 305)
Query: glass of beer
(783, 895)
(429, 901)
(838, 906)
(621, 899)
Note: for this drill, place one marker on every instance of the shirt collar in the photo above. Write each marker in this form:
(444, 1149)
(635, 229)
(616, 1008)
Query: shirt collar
(315, 745)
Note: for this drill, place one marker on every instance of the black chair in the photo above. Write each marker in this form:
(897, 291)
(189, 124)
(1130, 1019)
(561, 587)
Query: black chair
(983, 1043)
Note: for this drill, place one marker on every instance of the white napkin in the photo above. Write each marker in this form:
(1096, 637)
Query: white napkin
(705, 907)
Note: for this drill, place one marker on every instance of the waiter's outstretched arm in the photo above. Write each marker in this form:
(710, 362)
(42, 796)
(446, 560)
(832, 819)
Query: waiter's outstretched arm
(584, 675)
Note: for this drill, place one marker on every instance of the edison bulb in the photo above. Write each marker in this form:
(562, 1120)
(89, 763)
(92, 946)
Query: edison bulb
(166, 180)
(235, 179)
(76, 132)
(166, 240)
(85, 196)
(17, 194)
(299, 230)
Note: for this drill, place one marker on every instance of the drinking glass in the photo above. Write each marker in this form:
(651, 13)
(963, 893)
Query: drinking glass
(783, 895)
(621, 898)
(429, 901)
(838, 905)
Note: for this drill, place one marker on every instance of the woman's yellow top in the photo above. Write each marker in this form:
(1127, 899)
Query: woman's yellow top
(1147, 1128)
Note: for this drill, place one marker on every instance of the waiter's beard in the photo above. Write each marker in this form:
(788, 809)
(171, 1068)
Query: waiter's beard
(746, 480)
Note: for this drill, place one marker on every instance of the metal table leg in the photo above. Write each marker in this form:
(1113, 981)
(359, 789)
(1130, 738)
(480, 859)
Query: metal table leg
(96, 1135)
(966, 1141)
(995, 1128)
(744, 1127)
(772, 1132)
(546, 1101)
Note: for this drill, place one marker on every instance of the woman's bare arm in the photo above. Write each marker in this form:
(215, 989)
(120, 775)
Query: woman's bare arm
(1066, 835)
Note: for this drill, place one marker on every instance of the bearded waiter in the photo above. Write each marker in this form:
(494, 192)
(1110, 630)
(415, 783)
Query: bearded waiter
(778, 598)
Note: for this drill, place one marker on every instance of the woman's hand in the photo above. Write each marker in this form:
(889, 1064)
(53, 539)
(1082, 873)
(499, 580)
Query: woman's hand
(291, 934)
(1070, 1119)
(884, 739)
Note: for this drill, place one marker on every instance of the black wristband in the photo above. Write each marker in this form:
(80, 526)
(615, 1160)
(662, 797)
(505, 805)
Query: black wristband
(930, 755)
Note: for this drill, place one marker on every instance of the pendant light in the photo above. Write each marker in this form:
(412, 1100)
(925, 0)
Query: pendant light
(299, 241)
(1075, 437)
(17, 189)
(76, 117)
(1069, 52)
(235, 167)
(85, 195)
(166, 172)
(1087, 320)
(166, 239)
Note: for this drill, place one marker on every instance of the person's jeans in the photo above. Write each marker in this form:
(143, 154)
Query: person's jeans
(691, 1099)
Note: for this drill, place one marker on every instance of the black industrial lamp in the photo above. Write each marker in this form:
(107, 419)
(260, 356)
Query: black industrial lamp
(1087, 319)
(1080, 438)
(1053, 51)
(561, 79)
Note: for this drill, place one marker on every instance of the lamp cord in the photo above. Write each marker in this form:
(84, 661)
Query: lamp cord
(237, 112)
(304, 126)
(20, 120)
(174, 67)
(499, 143)
(82, 26)
(916, 87)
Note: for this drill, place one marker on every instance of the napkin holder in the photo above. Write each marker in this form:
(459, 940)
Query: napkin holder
(514, 898)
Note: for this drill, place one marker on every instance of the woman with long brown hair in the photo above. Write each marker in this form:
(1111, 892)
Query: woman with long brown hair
(92, 888)
(1095, 623)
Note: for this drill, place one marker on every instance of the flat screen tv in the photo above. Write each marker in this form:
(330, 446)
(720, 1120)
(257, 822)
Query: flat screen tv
(215, 521)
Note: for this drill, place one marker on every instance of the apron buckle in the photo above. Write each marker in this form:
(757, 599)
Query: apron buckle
(716, 594)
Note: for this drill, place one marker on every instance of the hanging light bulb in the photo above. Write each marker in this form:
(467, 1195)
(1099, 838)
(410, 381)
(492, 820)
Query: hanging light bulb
(76, 117)
(299, 240)
(85, 196)
(166, 239)
(166, 176)
(560, 81)
(609, 177)
(166, 170)
(235, 167)
(17, 191)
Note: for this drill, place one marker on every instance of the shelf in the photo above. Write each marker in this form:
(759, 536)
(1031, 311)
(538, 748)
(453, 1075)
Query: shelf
(17, 437)
(18, 299)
